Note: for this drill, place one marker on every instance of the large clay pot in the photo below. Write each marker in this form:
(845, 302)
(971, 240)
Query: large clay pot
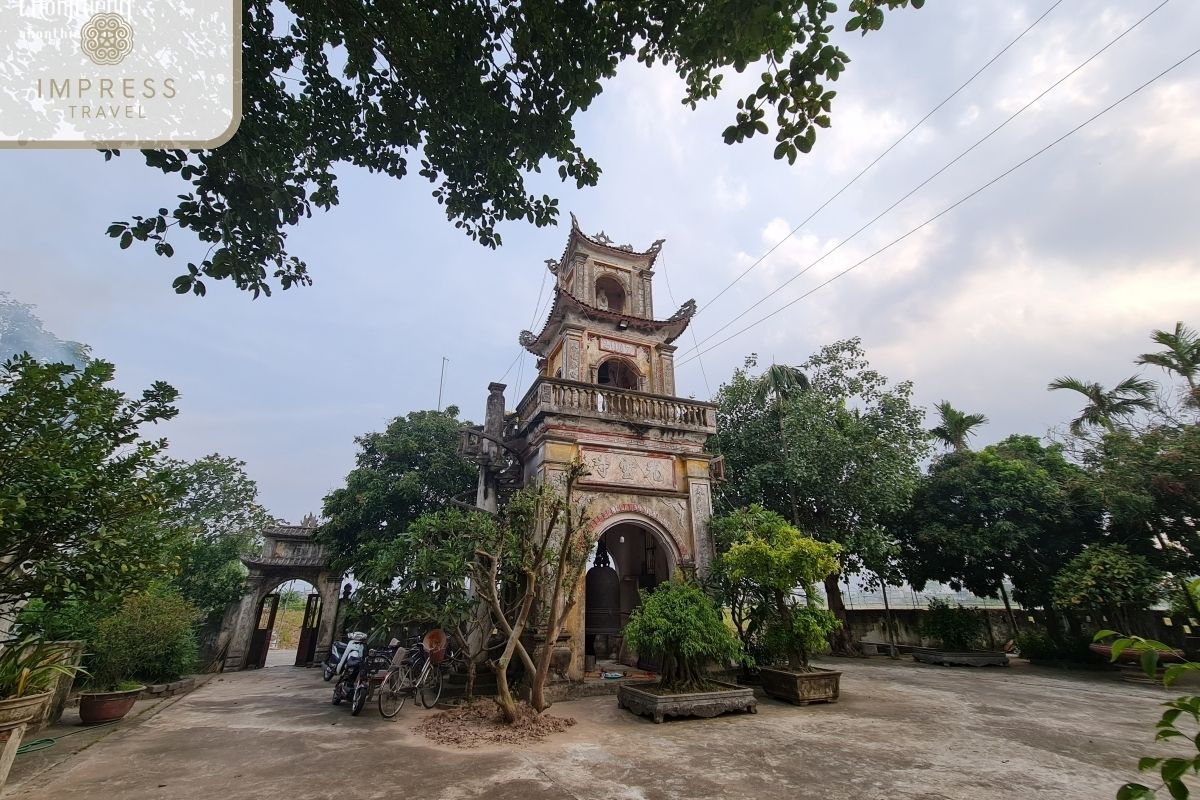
(97, 707)
(16, 710)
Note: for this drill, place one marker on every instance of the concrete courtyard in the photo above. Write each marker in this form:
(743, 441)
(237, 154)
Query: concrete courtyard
(901, 730)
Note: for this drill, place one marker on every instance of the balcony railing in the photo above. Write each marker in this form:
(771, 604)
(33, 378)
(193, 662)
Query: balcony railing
(554, 395)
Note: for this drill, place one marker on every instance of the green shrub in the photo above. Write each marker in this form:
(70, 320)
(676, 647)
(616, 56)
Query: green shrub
(71, 620)
(151, 638)
(952, 626)
(1038, 646)
(678, 624)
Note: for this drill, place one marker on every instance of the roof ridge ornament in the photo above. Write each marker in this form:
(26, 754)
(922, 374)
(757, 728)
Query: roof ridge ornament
(686, 311)
(552, 265)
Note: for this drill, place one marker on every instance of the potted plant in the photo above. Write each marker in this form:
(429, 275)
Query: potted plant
(29, 668)
(778, 567)
(149, 638)
(678, 625)
(957, 631)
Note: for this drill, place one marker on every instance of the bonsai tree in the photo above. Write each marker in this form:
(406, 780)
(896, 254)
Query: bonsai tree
(678, 624)
(771, 561)
(954, 627)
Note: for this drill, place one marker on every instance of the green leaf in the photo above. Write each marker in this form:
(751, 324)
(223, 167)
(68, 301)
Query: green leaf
(1135, 791)
(1148, 763)
(1104, 634)
(1149, 662)
(1174, 768)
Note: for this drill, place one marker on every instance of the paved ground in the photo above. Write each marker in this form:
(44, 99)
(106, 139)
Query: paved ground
(902, 730)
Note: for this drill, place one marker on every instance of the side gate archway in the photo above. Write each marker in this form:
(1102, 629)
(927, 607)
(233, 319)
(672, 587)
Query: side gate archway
(289, 554)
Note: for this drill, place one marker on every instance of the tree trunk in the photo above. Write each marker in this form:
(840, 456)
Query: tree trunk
(504, 698)
(841, 641)
(1012, 620)
(891, 626)
(469, 692)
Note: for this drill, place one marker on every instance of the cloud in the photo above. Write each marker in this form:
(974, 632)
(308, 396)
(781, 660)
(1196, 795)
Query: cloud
(730, 197)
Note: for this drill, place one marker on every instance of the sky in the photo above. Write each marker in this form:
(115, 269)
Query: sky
(1065, 266)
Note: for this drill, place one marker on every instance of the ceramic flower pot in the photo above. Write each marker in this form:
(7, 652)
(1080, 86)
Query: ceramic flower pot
(16, 710)
(97, 707)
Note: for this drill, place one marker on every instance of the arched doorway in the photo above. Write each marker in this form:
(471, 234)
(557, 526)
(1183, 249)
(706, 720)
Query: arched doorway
(617, 373)
(631, 557)
(286, 626)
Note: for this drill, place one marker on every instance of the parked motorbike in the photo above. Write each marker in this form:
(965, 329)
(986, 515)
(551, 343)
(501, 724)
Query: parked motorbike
(349, 667)
(331, 661)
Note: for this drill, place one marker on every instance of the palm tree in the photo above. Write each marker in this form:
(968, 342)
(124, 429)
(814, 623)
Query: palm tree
(956, 426)
(779, 383)
(775, 386)
(1104, 407)
(1181, 356)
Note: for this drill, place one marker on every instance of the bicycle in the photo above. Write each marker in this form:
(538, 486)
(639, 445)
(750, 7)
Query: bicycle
(414, 671)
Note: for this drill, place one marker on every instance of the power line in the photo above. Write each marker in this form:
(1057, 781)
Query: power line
(880, 157)
(671, 294)
(951, 207)
(532, 321)
(925, 182)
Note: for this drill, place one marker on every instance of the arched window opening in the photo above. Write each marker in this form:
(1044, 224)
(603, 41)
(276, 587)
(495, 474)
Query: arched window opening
(618, 374)
(610, 296)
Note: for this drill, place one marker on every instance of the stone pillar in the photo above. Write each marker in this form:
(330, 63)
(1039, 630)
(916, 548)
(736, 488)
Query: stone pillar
(666, 360)
(245, 621)
(328, 586)
(648, 293)
(573, 367)
(700, 503)
(493, 425)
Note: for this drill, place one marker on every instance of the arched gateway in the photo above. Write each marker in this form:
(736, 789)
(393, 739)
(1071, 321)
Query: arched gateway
(289, 553)
(605, 395)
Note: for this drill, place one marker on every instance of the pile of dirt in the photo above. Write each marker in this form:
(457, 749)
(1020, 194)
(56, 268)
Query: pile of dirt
(479, 723)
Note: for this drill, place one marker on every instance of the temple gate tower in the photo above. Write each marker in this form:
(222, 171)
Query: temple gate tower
(605, 394)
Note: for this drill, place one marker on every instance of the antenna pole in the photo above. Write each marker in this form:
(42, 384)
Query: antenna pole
(442, 382)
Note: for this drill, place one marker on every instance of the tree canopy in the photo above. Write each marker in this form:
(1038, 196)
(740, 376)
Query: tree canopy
(473, 97)
(1016, 508)
(218, 519)
(410, 469)
(82, 491)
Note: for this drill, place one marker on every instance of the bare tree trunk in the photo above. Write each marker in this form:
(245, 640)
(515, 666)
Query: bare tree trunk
(891, 625)
(1012, 619)
(841, 642)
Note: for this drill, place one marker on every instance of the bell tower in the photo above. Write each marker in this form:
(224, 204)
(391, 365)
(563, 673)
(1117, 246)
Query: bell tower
(605, 395)
(601, 328)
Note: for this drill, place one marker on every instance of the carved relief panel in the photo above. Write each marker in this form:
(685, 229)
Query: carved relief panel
(701, 497)
(622, 468)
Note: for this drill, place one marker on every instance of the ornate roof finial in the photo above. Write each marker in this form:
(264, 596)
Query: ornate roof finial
(686, 311)
(552, 265)
(602, 238)
(526, 339)
(574, 221)
(309, 521)
(657, 246)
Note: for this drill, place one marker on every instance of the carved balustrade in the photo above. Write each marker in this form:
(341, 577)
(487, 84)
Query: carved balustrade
(555, 395)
